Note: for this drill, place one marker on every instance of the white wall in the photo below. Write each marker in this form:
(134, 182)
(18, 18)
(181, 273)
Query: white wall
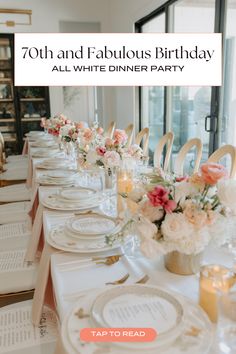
(46, 16)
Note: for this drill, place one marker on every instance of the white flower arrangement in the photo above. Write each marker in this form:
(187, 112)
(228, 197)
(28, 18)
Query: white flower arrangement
(186, 214)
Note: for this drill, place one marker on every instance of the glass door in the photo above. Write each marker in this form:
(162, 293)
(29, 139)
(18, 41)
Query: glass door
(189, 106)
(227, 123)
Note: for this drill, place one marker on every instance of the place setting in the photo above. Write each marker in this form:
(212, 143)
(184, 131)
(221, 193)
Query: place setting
(85, 233)
(43, 144)
(181, 325)
(57, 178)
(42, 152)
(53, 164)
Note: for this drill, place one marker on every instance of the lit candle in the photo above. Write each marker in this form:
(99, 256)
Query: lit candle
(124, 182)
(213, 278)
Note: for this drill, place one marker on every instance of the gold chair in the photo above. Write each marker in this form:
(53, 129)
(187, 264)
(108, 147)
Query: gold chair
(143, 135)
(167, 140)
(179, 162)
(130, 132)
(222, 152)
(110, 130)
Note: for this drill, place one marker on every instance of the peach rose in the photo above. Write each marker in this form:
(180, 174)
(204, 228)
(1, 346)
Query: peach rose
(79, 125)
(195, 216)
(88, 134)
(100, 130)
(109, 142)
(213, 172)
(120, 136)
(197, 180)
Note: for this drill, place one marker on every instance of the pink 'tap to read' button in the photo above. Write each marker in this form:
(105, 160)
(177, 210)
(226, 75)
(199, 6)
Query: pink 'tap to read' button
(118, 334)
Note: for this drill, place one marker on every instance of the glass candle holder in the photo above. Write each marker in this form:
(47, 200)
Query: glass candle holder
(124, 181)
(214, 279)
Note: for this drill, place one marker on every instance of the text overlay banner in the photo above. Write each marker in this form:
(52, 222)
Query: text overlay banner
(118, 59)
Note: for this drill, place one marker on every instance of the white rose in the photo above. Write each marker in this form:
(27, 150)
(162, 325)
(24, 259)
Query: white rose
(91, 157)
(227, 193)
(111, 159)
(176, 227)
(184, 189)
(146, 229)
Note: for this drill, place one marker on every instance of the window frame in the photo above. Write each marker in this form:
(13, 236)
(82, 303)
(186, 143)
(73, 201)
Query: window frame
(216, 93)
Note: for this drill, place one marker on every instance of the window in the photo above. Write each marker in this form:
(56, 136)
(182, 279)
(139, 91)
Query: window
(153, 96)
(205, 112)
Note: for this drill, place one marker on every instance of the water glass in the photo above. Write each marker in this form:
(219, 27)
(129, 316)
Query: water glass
(226, 327)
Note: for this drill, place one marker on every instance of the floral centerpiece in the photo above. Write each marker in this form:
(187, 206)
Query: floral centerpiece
(109, 153)
(184, 215)
(70, 132)
(54, 124)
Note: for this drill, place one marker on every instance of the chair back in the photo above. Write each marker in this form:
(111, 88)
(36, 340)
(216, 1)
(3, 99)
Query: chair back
(167, 140)
(179, 162)
(1, 157)
(110, 130)
(143, 135)
(223, 151)
(130, 132)
(2, 141)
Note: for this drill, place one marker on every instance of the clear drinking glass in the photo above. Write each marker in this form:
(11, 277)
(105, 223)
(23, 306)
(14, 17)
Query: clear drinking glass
(226, 327)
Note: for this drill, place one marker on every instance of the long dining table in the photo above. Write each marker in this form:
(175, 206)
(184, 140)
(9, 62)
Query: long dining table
(61, 282)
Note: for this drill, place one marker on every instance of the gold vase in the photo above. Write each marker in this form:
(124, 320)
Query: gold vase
(183, 264)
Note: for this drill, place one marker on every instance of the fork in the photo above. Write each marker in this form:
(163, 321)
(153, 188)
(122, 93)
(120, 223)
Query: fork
(79, 294)
(108, 260)
(119, 281)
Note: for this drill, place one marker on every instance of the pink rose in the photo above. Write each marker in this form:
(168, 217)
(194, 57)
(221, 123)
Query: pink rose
(182, 178)
(213, 172)
(159, 196)
(68, 121)
(120, 137)
(100, 150)
(150, 212)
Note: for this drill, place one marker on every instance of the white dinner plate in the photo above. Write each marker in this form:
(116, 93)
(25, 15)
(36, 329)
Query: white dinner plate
(59, 239)
(194, 317)
(61, 174)
(53, 202)
(45, 153)
(92, 224)
(136, 306)
(78, 193)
